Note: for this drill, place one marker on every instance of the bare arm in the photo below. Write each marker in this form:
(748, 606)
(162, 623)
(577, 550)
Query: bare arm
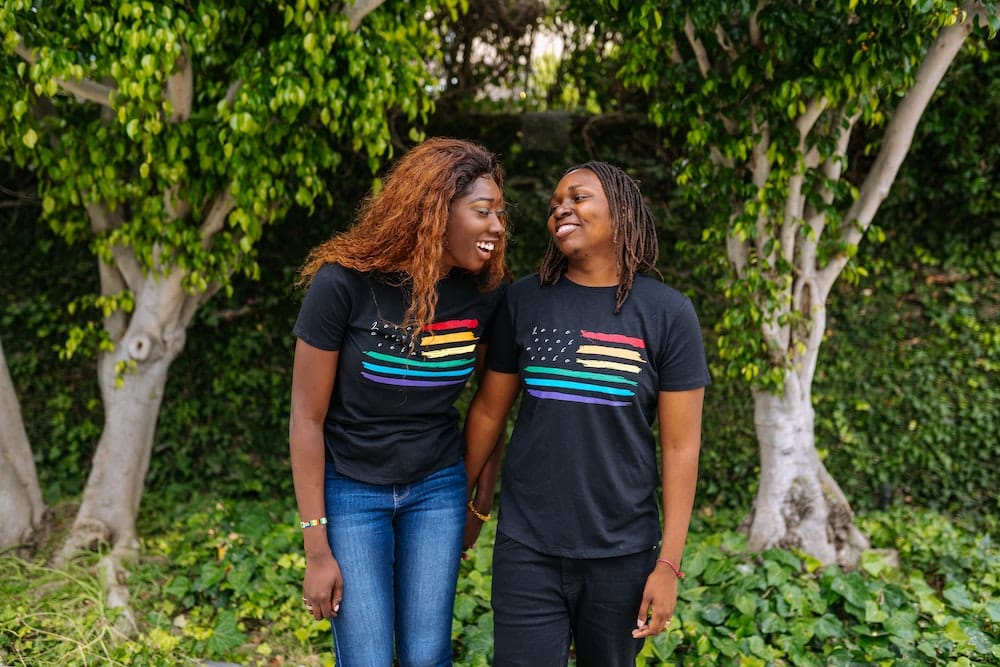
(313, 375)
(487, 419)
(679, 414)
(485, 483)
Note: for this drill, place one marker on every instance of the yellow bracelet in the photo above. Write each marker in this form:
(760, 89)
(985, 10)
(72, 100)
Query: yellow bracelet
(475, 512)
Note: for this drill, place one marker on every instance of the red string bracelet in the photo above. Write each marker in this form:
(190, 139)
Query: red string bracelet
(677, 571)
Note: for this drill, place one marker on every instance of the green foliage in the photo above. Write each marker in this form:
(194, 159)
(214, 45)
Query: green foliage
(221, 580)
(899, 348)
(763, 94)
(781, 608)
(472, 627)
(917, 425)
(158, 112)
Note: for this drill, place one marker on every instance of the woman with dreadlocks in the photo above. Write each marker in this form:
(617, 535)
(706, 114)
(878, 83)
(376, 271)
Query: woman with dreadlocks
(600, 351)
(388, 333)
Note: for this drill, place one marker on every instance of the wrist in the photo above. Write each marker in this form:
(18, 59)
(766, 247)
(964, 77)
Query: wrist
(673, 568)
(482, 516)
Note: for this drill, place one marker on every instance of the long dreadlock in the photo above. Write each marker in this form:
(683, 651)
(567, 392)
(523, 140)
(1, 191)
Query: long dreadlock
(633, 231)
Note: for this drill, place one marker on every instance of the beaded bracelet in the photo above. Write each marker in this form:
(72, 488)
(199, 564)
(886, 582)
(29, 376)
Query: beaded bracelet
(315, 522)
(677, 571)
(476, 513)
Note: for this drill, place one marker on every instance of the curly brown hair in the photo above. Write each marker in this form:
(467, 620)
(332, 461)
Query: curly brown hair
(398, 232)
(633, 231)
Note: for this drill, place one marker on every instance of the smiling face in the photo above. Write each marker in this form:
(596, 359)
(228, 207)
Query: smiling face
(474, 227)
(580, 222)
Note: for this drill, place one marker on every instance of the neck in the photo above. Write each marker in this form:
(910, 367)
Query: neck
(593, 276)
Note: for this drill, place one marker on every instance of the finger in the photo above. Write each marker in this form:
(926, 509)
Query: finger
(645, 610)
(650, 628)
(336, 597)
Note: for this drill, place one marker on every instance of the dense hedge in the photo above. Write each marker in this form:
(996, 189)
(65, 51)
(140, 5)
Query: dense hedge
(903, 394)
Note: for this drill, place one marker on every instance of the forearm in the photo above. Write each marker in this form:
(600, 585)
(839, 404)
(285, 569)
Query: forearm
(485, 484)
(484, 435)
(308, 460)
(679, 414)
(680, 475)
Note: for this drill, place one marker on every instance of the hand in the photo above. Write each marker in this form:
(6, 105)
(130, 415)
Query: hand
(323, 586)
(659, 600)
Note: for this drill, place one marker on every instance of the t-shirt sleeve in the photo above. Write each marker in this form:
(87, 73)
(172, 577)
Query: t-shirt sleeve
(683, 365)
(325, 309)
(492, 308)
(502, 353)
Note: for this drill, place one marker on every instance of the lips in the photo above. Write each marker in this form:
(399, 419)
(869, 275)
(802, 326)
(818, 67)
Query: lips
(564, 229)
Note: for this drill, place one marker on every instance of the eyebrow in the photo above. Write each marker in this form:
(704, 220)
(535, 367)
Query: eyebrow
(487, 200)
(571, 188)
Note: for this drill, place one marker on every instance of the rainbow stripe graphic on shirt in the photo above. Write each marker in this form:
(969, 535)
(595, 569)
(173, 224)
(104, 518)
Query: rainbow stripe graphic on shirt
(584, 366)
(445, 354)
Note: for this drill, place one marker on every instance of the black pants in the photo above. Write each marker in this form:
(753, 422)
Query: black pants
(543, 603)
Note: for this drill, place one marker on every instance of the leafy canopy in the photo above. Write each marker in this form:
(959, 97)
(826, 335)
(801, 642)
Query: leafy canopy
(767, 95)
(104, 110)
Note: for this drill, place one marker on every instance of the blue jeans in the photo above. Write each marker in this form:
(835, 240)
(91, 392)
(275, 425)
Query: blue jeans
(399, 547)
(543, 604)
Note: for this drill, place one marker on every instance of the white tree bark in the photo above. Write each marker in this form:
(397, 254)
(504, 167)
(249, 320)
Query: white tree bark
(21, 505)
(114, 487)
(798, 504)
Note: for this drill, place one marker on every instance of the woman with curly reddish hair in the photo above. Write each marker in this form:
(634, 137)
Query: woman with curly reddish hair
(388, 333)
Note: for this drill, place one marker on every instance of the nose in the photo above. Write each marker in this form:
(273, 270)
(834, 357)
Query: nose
(496, 223)
(560, 210)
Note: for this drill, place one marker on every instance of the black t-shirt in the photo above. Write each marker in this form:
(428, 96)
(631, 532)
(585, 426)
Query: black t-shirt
(392, 418)
(580, 473)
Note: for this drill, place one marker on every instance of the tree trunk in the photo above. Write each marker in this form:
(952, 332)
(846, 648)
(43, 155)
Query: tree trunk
(798, 505)
(21, 505)
(154, 338)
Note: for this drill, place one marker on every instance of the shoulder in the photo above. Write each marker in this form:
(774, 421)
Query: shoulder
(335, 273)
(647, 288)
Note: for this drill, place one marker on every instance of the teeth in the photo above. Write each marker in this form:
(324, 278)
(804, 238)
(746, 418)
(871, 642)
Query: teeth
(486, 246)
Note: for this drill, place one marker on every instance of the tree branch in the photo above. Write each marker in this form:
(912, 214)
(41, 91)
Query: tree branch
(756, 36)
(725, 43)
(899, 134)
(84, 89)
(700, 54)
(222, 205)
(760, 171)
(356, 11)
(180, 88)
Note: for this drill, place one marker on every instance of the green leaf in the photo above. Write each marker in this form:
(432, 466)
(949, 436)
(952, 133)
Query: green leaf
(225, 635)
(958, 596)
(953, 631)
(715, 614)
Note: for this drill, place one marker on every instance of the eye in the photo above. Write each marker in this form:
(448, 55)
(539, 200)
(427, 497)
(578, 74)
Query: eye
(483, 212)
